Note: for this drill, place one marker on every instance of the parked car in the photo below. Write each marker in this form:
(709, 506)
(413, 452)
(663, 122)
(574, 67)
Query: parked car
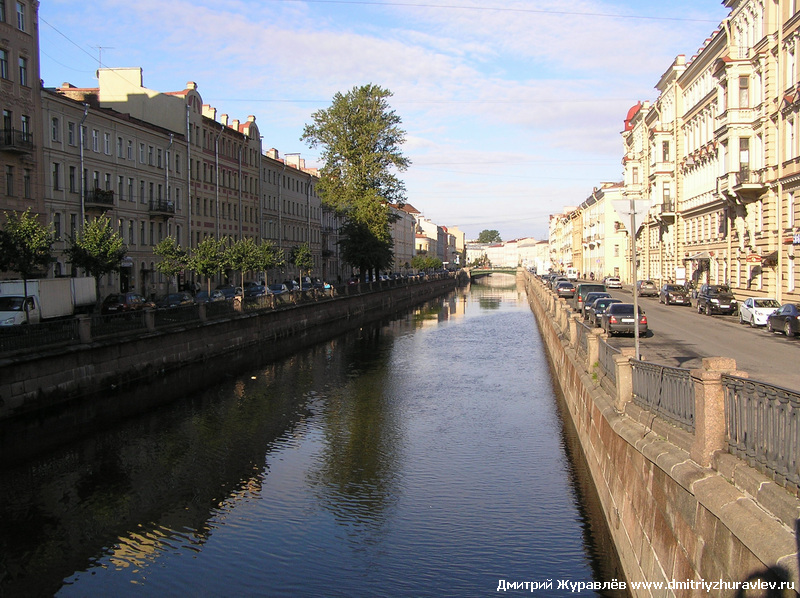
(558, 280)
(715, 299)
(785, 319)
(277, 288)
(618, 318)
(613, 282)
(206, 297)
(646, 288)
(755, 310)
(675, 293)
(583, 289)
(565, 289)
(598, 307)
(123, 302)
(589, 299)
(175, 300)
(229, 290)
(254, 290)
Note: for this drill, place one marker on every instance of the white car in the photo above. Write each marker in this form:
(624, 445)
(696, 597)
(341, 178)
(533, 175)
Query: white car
(754, 311)
(613, 282)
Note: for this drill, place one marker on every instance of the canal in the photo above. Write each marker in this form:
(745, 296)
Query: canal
(425, 456)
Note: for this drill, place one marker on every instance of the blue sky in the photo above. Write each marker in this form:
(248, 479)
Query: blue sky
(513, 109)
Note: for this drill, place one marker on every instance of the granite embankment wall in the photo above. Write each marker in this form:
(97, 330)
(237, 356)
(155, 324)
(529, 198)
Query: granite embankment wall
(671, 518)
(51, 396)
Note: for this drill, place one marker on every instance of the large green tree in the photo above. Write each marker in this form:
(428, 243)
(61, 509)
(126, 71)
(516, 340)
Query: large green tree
(242, 255)
(268, 257)
(360, 138)
(173, 258)
(489, 236)
(26, 247)
(98, 249)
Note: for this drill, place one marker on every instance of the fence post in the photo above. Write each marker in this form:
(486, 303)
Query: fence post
(624, 376)
(150, 319)
(201, 312)
(593, 348)
(573, 330)
(84, 328)
(709, 407)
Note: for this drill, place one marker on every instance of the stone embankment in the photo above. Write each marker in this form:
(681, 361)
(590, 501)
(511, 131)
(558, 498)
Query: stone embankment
(680, 507)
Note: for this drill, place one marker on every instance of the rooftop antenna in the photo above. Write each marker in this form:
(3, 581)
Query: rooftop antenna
(100, 54)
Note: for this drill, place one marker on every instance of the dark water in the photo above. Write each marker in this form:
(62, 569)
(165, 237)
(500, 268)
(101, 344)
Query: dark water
(421, 457)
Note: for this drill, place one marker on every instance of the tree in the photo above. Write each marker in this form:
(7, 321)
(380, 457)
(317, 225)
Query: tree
(242, 255)
(25, 247)
(360, 137)
(173, 258)
(425, 262)
(302, 259)
(98, 249)
(208, 258)
(489, 236)
(268, 257)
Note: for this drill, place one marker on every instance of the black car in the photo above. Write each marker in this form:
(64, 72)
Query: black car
(716, 299)
(618, 318)
(565, 289)
(589, 299)
(175, 300)
(582, 290)
(675, 293)
(785, 319)
(598, 307)
(117, 303)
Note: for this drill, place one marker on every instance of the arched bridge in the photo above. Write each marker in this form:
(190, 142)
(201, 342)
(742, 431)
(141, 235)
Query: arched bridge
(480, 272)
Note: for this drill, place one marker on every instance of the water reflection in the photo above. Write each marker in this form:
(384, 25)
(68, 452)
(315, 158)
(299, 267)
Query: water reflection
(413, 457)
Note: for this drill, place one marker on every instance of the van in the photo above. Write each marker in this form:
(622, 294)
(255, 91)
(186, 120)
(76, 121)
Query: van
(572, 274)
(582, 290)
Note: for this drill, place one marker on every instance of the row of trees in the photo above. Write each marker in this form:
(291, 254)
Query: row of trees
(26, 247)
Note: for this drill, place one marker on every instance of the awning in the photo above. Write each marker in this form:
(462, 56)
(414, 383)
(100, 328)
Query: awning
(703, 255)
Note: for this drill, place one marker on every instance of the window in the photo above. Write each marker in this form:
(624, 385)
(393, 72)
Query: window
(9, 180)
(141, 153)
(665, 151)
(130, 190)
(20, 16)
(130, 150)
(120, 187)
(142, 240)
(131, 233)
(95, 140)
(790, 210)
(26, 183)
(56, 175)
(635, 175)
(57, 226)
(107, 144)
(150, 155)
(120, 148)
(158, 158)
(4, 64)
(107, 180)
(2, 11)
(72, 180)
(55, 133)
(23, 71)
(141, 192)
(25, 127)
(744, 92)
(71, 133)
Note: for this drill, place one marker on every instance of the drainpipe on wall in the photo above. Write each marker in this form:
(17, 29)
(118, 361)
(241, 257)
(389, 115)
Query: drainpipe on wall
(83, 175)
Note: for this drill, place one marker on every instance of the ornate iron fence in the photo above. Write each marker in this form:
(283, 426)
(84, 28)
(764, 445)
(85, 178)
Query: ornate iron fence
(104, 325)
(667, 391)
(763, 426)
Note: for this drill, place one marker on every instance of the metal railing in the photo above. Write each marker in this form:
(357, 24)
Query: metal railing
(605, 358)
(664, 390)
(13, 338)
(583, 335)
(109, 324)
(763, 426)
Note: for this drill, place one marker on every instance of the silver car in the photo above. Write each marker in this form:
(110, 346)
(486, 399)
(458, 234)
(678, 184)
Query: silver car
(755, 310)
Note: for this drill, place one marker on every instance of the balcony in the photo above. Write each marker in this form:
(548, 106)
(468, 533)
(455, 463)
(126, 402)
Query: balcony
(666, 210)
(99, 200)
(18, 142)
(161, 208)
(748, 184)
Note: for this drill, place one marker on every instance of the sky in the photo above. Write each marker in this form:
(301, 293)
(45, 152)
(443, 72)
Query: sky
(512, 108)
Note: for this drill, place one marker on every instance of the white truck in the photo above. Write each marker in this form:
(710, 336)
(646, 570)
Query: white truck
(47, 298)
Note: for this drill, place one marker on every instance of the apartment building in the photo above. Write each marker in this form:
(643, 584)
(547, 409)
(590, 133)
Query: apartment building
(21, 105)
(102, 162)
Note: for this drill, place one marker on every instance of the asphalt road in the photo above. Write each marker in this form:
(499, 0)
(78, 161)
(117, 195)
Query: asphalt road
(680, 337)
